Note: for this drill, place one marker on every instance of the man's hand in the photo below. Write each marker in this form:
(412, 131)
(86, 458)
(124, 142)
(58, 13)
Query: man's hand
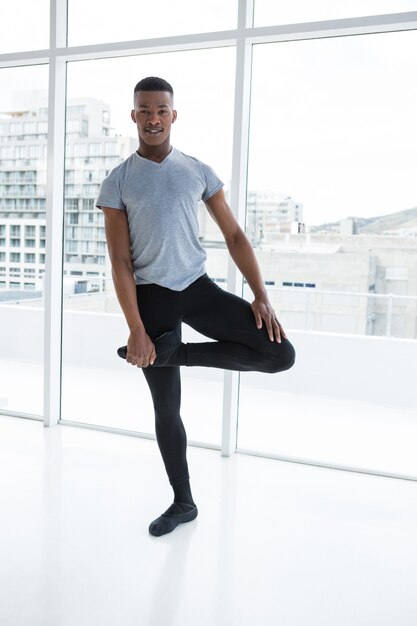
(263, 310)
(140, 349)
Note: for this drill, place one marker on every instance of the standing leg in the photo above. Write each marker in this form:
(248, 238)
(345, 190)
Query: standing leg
(159, 313)
(165, 387)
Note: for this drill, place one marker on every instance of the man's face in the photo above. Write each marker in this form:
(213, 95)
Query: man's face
(153, 115)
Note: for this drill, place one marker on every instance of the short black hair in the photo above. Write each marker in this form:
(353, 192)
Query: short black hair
(153, 83)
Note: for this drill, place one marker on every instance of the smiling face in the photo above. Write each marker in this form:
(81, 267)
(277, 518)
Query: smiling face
(154, 115)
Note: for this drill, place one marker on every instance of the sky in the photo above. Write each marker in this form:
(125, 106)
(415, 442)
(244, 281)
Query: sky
(333, 121)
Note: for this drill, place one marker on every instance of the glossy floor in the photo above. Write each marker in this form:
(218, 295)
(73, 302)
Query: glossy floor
(275, 543)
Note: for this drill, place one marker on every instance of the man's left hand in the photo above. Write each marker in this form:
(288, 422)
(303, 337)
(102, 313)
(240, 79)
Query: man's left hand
(263, 310)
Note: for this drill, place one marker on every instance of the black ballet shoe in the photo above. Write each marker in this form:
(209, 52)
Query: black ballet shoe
(175, 515)
(164, 345)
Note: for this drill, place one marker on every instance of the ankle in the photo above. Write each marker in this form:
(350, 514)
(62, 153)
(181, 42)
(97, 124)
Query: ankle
(180, 501)
(182, 493)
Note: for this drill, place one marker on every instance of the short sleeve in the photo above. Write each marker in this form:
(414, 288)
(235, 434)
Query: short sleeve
(213, 182)
(110, 194)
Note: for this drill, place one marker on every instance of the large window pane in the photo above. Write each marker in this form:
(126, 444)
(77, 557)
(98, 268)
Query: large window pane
(98, 387)
(24, 25)
(268, 12)
(331, 212)
(89, 23)
(23, 143)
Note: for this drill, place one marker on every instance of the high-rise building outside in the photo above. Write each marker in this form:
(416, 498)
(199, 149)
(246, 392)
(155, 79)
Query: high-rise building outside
(91, 153)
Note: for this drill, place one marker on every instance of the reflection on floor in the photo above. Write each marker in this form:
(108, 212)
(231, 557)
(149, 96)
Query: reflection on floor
(275, 543)
(337, 431)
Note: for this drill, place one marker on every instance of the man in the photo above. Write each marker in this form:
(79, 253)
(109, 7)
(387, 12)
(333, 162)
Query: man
(150, 207)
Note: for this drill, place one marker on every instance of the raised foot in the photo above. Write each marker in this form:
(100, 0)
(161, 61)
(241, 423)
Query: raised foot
(164, 344)
(176, 514)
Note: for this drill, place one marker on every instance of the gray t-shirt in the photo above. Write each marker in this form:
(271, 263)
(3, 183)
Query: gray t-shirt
(161, 201)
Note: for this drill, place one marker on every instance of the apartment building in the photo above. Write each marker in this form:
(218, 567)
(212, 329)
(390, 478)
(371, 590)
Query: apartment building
(92, 150)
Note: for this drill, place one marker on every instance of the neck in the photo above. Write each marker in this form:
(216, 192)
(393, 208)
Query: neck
(154, 153)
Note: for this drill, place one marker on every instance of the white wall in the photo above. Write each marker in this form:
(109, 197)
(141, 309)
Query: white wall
(375, 369)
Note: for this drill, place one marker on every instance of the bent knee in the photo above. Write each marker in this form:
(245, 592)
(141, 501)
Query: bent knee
(283, 360)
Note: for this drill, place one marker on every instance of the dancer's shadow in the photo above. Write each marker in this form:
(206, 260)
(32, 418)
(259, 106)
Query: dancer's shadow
(169, 585)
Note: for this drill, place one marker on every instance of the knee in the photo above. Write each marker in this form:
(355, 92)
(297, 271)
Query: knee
(283, 359)
(166, 411)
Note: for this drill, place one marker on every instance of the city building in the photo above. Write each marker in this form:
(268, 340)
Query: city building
(267, 213)
(360, 284)
(91, 152)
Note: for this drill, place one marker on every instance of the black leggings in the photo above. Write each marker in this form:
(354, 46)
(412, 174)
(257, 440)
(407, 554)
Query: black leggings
(240, 346)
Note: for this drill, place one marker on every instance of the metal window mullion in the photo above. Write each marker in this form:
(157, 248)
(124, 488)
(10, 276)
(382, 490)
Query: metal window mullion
(341, 27)
(54, 218)
(238, 205)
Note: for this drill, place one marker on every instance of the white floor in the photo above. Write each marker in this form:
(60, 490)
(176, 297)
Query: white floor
(275, 543)
(323, 429)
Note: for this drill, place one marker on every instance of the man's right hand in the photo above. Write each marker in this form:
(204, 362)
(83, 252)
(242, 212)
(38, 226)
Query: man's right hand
(140, 349)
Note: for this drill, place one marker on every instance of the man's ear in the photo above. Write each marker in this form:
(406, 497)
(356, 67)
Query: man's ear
(133, 115)
(174, 115)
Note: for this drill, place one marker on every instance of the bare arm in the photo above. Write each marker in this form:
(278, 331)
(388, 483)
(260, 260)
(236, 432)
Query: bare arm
(243, 255)
(140, 349)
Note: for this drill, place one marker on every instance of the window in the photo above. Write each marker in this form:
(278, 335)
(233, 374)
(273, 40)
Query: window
(80, 149)
(339, 140)
(89, 204)
(267, 12)
(95, 149)
(337, 113)
(23, 36)
(179, 18)
(30, 231)
(34, 152)
(344, 139)
(87, 245)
